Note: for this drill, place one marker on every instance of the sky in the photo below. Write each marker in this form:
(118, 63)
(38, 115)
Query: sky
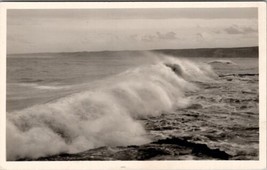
(71, 30)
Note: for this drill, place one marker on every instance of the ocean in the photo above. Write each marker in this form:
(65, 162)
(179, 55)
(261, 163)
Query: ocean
(72, 102)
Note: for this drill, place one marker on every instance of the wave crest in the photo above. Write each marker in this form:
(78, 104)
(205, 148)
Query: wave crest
(106, 116)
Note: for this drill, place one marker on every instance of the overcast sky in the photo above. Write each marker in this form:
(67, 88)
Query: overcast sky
(66, 30)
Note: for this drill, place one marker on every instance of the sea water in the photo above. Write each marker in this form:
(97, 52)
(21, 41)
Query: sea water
(72, 102)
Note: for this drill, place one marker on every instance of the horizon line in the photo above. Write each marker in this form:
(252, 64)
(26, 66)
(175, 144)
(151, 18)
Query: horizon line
(130, 50)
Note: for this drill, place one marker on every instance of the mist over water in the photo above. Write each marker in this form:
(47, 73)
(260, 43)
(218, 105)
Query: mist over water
(107, 115)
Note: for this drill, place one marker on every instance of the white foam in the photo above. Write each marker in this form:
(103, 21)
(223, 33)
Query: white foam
(105, 116)
(42, 87)
(222, 62)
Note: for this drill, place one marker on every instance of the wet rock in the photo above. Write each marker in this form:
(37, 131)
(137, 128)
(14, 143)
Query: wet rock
(171, 148)
(195, 106)
(197, 148)
(147, 153)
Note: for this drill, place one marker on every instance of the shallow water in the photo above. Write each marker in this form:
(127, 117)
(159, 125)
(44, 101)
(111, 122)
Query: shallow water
(223, 115)
(45, 93)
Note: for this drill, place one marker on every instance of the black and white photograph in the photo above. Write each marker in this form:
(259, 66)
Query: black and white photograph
(133, 84)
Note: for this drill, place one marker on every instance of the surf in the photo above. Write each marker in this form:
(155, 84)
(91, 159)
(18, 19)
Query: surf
(107, 115)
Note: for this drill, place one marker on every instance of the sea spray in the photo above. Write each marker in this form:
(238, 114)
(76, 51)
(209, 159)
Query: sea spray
(104, 116)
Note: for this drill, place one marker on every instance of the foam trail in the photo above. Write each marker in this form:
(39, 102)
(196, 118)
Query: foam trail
(222, 62)
(42, 87)
(105, 116)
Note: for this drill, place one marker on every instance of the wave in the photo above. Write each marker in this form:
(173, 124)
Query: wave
(222, 62)
(105, 116)
(41, 87)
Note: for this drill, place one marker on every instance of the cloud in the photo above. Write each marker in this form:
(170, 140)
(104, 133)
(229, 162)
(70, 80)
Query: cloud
(167, 36)
(134, 36)
(148, 38)
(239, 30)
(200, 36)
(249, 30)
(203, 36)
(233, 30)
(155, 37)
(217, 31)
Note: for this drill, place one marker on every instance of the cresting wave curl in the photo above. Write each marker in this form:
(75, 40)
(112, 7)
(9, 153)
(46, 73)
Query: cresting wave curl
(106, 116)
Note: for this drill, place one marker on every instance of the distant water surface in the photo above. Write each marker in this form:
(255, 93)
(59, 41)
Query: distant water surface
(37, 79)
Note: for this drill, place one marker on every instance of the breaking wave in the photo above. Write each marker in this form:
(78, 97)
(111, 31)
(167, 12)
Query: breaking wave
(105, 116)
(222, 62)
(41, 87)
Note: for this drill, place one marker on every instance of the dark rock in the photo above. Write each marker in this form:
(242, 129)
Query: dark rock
(197, 148)
(195, 106)
(147, 153)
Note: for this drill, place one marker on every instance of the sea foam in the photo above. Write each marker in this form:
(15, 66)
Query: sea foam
(105, 116)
